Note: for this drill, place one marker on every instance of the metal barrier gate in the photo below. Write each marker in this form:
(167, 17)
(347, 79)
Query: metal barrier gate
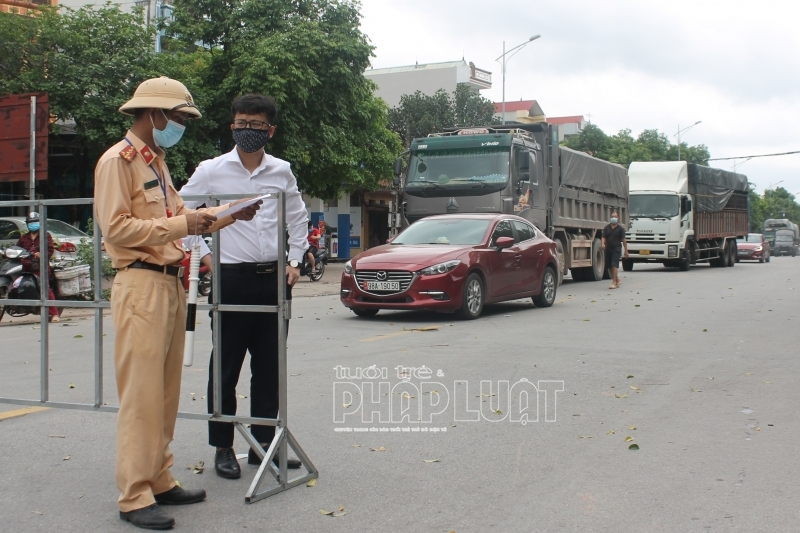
(283, 437)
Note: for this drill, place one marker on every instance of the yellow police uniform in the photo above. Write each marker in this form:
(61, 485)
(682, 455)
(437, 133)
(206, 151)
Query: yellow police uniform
(143, 219)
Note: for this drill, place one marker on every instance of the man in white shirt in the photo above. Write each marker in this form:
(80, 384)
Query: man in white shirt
(248, 274)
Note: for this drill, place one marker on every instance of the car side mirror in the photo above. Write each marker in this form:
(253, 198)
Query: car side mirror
(503, 242)
(398, 167)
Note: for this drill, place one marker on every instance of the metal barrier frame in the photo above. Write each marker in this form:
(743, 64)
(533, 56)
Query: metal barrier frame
(283, 439)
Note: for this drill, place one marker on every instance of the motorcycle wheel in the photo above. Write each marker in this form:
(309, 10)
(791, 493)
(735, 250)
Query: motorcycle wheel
(3, 296)
(319, 270)
(204, 286)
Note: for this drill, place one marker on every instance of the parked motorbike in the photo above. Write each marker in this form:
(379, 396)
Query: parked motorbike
(320, 260)
(17, 282)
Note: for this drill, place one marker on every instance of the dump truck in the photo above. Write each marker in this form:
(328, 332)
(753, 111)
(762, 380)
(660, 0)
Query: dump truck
(683, 213)
(517, 169)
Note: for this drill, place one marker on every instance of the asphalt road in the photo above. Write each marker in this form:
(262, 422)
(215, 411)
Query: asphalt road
(698, 369)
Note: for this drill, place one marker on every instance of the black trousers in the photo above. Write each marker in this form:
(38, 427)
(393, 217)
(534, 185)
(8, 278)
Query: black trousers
(240, 333)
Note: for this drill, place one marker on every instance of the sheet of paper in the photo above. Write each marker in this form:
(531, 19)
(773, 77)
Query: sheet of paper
(238, 207)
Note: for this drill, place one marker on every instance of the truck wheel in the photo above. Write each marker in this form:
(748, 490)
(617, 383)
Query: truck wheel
(686, 262)
(598, 262)
(627, 266)
(365, 312)
(547, 295)
(473, 298)
(731, 253)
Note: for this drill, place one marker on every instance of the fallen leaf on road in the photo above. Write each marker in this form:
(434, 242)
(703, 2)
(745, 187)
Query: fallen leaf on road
(633, 447)
(381, 449)
(586, 320)
(705, 330)
(488, 395)
(356, 445)
(241, 396)
(621, 395)
(426, 328)
(758, 429)
(327, 513)
(71, 386)
(611, 432)
(697, 390)
(629, 376)
(340, 512)
(631, 427)
(36, 512)
(748, 373)
(198, 468)
(311, 483)
(66, 458)
(78, 337)
(430, 460)
(497, 411)
(346, 405)
(407, 395)
(585, 436)
(766, 382)
(628, 439)
(57, 436)
(634, 388)
(637, 305)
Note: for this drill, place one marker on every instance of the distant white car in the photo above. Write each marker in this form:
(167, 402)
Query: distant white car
(66, 238)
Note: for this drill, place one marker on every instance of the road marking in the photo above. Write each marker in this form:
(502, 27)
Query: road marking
(387, 336)
(6, 415)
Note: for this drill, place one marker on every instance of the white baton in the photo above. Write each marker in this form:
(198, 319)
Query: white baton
(194, 279)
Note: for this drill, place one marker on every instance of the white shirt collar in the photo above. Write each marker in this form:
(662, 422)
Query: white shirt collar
(233, 156)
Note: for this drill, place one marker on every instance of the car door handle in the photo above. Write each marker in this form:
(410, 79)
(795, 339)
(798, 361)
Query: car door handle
(541, 252)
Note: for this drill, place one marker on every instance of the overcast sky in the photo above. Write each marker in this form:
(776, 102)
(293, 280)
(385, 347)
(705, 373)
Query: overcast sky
(626, 64)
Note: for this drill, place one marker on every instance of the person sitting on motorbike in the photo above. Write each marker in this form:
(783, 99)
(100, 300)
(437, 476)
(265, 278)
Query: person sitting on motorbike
(313, 240)
(31, 241)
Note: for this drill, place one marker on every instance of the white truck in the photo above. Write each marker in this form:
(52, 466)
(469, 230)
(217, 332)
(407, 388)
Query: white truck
(682, 213)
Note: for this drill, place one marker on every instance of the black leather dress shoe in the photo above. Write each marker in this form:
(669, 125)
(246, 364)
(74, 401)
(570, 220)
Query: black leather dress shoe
(226, 465)
(180, 496)
(152, 517)
(292, 464)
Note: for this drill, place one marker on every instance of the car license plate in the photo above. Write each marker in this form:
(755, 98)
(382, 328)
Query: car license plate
(644, 252)
(382, 285)
(743, 252)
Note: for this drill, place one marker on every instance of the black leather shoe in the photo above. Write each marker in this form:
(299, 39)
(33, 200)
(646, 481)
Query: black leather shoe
(180, 496)
(292, 464)
(226, 465)
(152, 517)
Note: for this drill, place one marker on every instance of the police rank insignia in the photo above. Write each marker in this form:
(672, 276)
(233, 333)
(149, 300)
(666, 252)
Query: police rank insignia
(128, 153)
(147, 154)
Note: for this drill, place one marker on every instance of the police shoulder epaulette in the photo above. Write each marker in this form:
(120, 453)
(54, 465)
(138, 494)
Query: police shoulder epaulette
(128, 153)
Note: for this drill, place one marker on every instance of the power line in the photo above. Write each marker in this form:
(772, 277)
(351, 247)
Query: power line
(751, 156)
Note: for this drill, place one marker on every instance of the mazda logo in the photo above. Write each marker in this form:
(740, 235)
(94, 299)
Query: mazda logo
(381, 276)
(452, 205)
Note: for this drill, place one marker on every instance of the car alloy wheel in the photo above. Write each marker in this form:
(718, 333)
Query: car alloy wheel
(547, 296)
(473, 297)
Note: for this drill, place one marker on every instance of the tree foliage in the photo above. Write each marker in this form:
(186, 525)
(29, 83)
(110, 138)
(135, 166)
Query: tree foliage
(419, 114)
(774, 203)
(310, 56)
(623, 148)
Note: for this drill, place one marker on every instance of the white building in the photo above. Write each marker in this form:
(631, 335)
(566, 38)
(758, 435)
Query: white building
(428, 78)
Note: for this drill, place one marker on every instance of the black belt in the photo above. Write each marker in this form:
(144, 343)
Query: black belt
(170, 270)
(256, 268)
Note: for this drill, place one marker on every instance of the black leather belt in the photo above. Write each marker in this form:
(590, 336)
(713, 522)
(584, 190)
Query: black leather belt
(169, 270)
(256, 268)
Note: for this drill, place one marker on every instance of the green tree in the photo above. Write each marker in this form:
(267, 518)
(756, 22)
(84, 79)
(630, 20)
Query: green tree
(310, 56)
(419, 114)
(89, 61)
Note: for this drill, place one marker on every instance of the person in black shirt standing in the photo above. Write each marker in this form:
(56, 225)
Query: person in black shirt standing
(613, 241)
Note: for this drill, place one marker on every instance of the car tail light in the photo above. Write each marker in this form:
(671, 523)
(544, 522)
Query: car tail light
(67, 248)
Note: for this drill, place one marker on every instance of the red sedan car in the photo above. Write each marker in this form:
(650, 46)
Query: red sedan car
(754, 247)
(454, 263)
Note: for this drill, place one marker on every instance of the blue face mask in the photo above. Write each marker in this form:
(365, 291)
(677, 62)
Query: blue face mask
(33, 226)
(170, 135)
(614, 220)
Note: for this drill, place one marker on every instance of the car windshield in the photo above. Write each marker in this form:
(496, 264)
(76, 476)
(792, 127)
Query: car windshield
(461, 231)
(61, 229)
(753, 237)
(470, 167)
(654, 205)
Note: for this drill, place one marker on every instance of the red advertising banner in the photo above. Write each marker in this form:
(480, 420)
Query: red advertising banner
(15, 136)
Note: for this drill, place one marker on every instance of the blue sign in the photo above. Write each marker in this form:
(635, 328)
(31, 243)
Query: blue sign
(355, 242)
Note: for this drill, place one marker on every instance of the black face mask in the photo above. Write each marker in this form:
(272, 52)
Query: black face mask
(250, 140)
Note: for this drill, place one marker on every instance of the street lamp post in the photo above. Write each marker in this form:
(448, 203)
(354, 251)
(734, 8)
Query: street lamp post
(679, 135)
(503, 65)
(737, 164)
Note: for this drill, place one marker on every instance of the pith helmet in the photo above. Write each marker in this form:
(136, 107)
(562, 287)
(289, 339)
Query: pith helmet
(162, 93)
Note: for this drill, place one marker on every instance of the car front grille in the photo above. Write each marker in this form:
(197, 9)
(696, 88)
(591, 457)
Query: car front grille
(403, 277)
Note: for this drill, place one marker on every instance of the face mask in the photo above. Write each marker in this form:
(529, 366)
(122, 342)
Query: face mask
(250, 140)
(614, 220)
(310, 230)
(170, 135)
(33, 226)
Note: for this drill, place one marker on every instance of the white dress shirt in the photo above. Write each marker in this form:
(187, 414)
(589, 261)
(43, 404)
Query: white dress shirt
(190, 240)
(254, 241)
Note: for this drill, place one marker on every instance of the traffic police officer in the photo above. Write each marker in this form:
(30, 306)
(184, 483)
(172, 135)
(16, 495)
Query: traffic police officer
(143, 219)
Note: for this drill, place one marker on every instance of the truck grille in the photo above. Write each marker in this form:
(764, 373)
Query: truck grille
(646, 237)
(403, 277)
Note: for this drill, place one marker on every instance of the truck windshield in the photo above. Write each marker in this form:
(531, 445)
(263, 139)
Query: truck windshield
(654, 205)
(459, 168)
(462, 231)
(783, 238)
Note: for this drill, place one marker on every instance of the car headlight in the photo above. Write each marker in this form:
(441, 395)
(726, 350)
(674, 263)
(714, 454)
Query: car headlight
(348, 268)
(441, 268)
(758, 249)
